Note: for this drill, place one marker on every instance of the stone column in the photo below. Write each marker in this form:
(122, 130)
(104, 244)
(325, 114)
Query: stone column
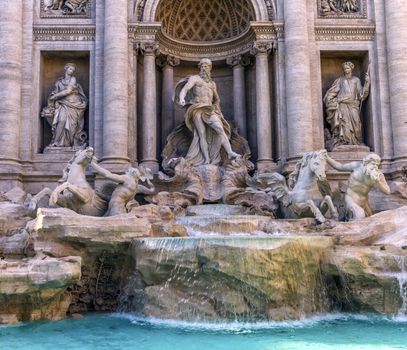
(11, 45)
(167, 105)
(149, 117)
(263, 106)
(115, 80)
(298, 78)
(239, 92)
(396, 34)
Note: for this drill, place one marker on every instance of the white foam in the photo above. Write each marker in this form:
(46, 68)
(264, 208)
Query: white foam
(248, 327)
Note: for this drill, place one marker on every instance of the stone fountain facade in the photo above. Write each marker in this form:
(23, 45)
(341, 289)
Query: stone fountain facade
(273, 62)
(284, 87)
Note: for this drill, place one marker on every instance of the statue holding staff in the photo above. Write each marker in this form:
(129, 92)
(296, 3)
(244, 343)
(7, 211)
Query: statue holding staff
(343, 106)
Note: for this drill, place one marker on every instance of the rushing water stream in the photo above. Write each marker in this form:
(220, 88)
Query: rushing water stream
(116, 332)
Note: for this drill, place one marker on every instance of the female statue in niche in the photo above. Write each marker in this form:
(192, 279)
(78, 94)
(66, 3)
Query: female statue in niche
(343, 106)
(65, 111)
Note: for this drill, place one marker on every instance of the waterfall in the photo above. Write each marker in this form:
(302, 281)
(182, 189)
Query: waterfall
(402, 279)
(241, 278)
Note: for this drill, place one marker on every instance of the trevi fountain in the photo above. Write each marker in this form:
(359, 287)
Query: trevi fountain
(181, 174)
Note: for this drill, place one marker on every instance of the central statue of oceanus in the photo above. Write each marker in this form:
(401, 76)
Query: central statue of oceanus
(203, 117)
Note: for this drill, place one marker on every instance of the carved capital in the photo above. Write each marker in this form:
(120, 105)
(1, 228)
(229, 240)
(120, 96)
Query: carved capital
(167, 60)
(239, 60)
(262, 48)
(149, 48)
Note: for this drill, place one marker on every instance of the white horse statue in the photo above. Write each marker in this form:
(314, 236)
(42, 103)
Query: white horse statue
(74, 193)
(307, 192)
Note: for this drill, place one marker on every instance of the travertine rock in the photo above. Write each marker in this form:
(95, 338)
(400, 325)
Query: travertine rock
(368, 278)
(18, 244)
(33, 289)
(63, 232)
(12, 217)
(227, 278)
(388, 227)
(16, 195)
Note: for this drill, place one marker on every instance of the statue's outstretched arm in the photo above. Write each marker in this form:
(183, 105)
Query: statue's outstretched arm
(145, 190)
(348, 167)
(106, 173)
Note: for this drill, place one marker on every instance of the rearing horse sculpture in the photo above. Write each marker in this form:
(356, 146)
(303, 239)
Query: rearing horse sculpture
(303, 196)
(75, 192)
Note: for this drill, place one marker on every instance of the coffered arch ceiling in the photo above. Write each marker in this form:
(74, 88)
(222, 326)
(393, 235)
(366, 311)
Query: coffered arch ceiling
(146, 10)
(204, 20)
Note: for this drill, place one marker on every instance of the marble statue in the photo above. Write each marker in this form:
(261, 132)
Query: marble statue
(75, 192)
(349, 6)
(306, 193)
(128, 186)
(328, 6)
(53, 5)
(338, 6)
(181, 190)
(66, 6)
(76, 6)
(343, 106)
(364, 177)
(65, 111)
(204, 118)
(239, 188)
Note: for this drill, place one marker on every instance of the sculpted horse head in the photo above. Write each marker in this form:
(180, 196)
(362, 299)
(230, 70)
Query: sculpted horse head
(84, 156)
(315, 162)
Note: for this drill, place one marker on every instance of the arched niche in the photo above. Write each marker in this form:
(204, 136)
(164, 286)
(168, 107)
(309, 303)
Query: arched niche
(146, 10)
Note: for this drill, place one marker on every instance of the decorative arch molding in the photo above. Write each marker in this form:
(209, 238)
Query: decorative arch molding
(146, 10)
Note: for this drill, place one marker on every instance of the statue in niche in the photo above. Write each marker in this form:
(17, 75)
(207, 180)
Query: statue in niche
(364, 177)
(343, 103)
(65, 111)
(128, 186)
(198, 150)
(67, 7)
(203, 117)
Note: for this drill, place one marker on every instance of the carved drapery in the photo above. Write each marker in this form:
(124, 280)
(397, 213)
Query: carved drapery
(342, 8)
(65, 8)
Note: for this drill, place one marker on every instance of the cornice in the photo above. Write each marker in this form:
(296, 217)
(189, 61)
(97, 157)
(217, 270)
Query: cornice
(345, 32)
(64, 33)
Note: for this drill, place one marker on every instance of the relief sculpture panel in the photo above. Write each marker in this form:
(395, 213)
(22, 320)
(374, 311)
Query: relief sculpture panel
(64, 8)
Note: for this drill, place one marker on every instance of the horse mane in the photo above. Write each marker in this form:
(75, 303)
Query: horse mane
(65, 171)
(303, 162)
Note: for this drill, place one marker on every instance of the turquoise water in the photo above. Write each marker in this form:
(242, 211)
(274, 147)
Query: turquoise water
(126, 332)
